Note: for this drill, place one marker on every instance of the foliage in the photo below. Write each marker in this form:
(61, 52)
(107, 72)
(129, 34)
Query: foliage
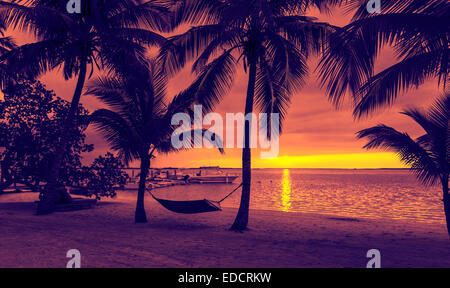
(274, 36)
(103, 177)
(31, 120)
(105, 34)
(272, 40)
(419, 33)
(138, 121)
(428, 155)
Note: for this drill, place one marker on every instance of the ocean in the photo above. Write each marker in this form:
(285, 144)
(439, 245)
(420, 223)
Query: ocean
(373, 194)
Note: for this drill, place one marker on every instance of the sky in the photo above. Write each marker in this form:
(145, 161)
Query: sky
(315, 133)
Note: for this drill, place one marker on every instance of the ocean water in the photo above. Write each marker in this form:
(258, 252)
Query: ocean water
(374, 194)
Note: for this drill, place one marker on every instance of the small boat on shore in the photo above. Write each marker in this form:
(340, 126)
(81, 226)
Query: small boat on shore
(212, 179)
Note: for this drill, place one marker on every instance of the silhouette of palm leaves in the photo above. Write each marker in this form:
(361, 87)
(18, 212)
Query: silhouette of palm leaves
(283, 41)
(419, 33)
(429, 155)
(140, 115)
(106, 34)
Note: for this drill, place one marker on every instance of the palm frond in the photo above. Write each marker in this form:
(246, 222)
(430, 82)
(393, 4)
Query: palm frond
(287, 62)
(346, 63)
(141, 36)
(410, 152)
(305, 33)
(382, 88)
(212, 83)
(229, 38)
(118, 133)
(34, 59)
(440, 112)
(197, 11)
(419, 35)
(43, 21)
(153, 14)
(272, 95)
(179, 49)
(393, 6)
(111, 92)
(436, 124)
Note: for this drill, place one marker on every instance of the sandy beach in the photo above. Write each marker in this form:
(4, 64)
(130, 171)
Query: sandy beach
(107, 237)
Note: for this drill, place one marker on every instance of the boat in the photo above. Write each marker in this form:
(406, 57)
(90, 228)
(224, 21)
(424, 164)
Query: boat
(212, 179)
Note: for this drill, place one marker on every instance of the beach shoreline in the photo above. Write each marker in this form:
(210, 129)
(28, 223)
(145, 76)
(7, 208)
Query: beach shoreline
(107, 237)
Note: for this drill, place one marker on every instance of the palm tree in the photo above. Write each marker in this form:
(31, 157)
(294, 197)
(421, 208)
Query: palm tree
(271, 39)
(6, 44)
(428, 155)
(104, 35)
(138, 125)
(419, 31)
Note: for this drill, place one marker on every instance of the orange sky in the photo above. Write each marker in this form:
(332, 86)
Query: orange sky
(316, 135)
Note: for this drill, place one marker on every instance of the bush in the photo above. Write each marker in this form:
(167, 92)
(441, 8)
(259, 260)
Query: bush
(31, 122)
(103, 177)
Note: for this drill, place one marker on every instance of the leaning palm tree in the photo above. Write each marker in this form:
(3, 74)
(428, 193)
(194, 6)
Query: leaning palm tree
(419, 32)
(272, 39)
(104, 35)
(428, 155)
(139, 121)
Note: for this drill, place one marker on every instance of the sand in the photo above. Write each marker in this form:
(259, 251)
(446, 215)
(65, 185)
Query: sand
(107, 237)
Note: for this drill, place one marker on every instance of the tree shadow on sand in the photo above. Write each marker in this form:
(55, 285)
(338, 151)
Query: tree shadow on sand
(181, 226)
(30, 207)
(18, 206)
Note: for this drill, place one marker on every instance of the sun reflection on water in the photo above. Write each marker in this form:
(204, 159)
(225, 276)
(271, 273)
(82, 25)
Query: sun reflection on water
(286, 186)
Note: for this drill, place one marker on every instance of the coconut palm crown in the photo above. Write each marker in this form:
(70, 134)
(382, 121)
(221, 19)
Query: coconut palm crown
(138, 123)
(271, 39)
(429, 155)
(419, 33)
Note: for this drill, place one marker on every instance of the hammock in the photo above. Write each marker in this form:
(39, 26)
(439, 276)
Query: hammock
(192, 207)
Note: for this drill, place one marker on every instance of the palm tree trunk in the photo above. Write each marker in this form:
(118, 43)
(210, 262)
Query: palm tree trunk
(446, 199)
(52, 194)
(140, 215)
(241, 221)
(6, 180)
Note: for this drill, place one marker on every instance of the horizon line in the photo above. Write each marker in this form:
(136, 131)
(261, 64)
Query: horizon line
(260, 168)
